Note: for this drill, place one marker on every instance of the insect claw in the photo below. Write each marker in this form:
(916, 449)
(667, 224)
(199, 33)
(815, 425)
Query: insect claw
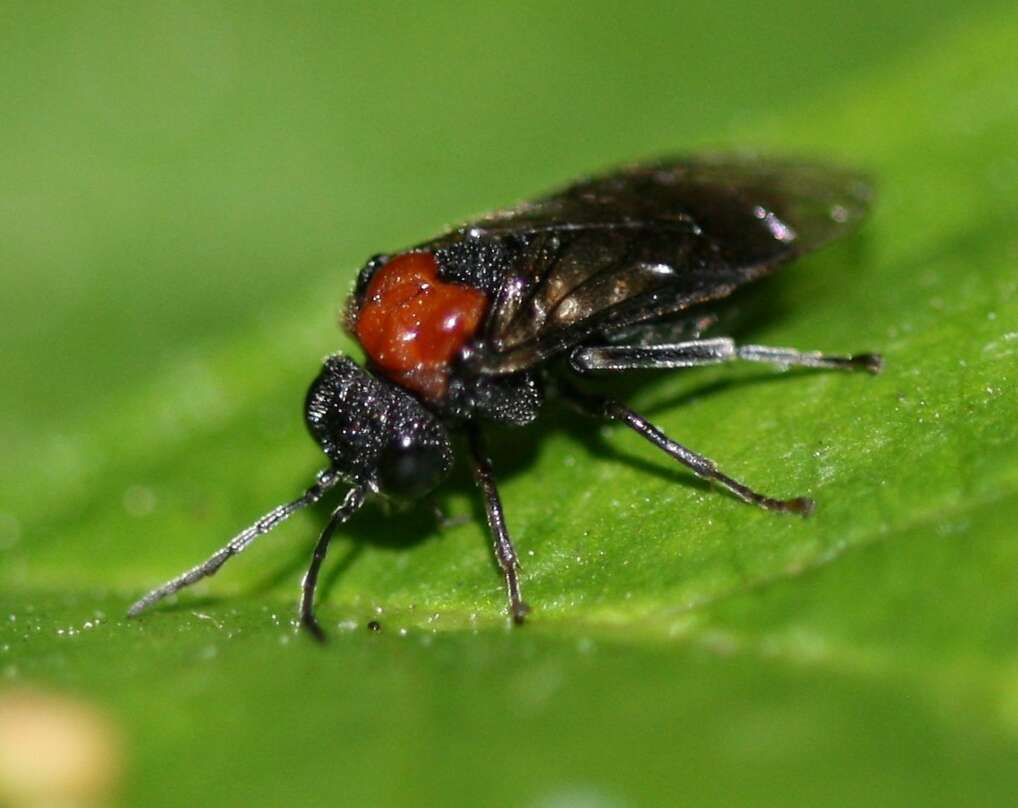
(870, 362)
(520, 611)
(804, 506)
(313, 628)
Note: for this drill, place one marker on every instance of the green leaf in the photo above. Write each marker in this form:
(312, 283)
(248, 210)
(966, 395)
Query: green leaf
(189, 193)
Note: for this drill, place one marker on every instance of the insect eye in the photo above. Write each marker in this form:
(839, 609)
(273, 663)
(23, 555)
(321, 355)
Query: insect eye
(411, 470)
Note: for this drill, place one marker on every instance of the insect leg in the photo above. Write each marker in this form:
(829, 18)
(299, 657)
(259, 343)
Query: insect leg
(709, 352)
(353, 500)
(873, 363)
(701, 466)
(505, 553)
(694, 353)
(323, 482)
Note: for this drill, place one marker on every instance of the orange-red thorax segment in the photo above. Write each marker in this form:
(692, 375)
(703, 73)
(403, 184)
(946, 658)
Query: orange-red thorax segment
(412, 324)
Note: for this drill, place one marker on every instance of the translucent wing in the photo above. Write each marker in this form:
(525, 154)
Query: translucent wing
(651, 240)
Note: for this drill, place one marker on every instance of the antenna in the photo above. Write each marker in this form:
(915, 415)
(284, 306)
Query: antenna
(324, 481)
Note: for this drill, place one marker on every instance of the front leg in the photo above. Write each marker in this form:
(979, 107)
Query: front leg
(505, 553)
(306, 607)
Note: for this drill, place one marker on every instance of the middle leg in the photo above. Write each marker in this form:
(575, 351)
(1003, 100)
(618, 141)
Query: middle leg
(505, 553)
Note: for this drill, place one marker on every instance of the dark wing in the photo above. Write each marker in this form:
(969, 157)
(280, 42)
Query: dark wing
(651, 240)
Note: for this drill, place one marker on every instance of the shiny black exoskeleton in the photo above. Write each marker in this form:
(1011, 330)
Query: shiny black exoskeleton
(613, 273)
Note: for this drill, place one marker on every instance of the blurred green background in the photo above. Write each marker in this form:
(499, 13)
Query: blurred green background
(186, 193)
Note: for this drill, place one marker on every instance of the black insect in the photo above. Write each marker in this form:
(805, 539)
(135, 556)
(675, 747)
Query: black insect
(613, 273)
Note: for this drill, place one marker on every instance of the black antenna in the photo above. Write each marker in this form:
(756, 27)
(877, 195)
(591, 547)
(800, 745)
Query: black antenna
(324, 481)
